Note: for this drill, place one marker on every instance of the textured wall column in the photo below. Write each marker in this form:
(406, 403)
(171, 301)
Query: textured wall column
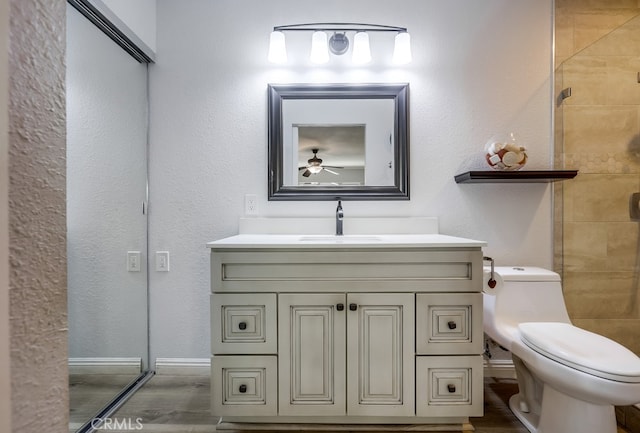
(37, 216)
(5, 372)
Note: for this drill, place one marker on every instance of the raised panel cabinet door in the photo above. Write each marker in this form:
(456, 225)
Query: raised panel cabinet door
(311, 354)
(380, 354)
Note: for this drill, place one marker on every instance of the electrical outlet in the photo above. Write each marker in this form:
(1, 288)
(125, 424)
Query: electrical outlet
(162, 261)
(250, 204)
(133, 261)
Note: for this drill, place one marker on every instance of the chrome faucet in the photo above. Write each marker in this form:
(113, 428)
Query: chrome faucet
(339, 218)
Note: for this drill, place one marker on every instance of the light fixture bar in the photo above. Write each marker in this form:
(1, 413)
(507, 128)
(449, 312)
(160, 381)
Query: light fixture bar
(338, 43)
(343, 27)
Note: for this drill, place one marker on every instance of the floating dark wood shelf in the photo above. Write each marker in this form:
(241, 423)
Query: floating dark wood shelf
(520, 176)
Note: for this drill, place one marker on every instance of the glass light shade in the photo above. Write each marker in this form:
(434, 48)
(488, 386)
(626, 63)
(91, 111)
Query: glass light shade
(319, 48)
(402, 49)
(361, 49)
(277, 48)
(315, 169)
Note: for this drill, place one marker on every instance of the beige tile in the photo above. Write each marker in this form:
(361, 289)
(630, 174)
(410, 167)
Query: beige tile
(622, 39)
(587, 77)
(599, 129)
(592, 26)
(622, 78)
(622, 245)
(585, 246)
(598, 295)
(581, 5)
(600, 247)
(563, 36)
(599, 197)
(624, 331)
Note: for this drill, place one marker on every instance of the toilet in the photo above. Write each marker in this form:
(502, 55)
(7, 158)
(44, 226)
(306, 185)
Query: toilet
(569, 379)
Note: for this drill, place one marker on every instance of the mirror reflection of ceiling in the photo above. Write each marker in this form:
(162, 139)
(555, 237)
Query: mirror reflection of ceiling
(342, 145)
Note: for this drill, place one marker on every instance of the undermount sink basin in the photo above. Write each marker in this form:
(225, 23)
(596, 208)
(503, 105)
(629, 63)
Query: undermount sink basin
(335, 238)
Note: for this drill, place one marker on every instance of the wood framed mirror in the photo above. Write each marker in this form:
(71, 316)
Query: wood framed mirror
(338, 141)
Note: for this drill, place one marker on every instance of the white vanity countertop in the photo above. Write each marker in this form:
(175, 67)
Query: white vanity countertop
(346, 241)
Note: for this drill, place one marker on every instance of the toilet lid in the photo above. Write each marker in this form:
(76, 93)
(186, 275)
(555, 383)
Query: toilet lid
(582, 350)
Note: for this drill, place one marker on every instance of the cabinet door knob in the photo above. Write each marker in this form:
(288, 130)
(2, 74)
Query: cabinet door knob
(451, 324)
(242, 326)
(340, 307)
(243, 388)
(353, 307)
(450, 388)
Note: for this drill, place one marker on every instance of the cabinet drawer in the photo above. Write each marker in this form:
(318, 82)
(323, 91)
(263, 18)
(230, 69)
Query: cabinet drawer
(242, 385)
(449, 386)
(449, 324)
(243, 323)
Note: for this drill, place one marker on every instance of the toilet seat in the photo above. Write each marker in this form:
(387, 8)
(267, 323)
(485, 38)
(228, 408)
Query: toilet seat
(582, 350)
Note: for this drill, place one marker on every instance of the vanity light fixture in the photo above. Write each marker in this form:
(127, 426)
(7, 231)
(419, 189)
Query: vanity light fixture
(361, 50)
(338, 43)
(277, 48)
(319, 48)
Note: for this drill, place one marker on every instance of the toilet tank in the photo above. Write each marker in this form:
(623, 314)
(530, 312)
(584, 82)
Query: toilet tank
(523, 294)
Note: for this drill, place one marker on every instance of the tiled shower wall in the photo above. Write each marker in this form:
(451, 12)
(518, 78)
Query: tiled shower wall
(598, 133)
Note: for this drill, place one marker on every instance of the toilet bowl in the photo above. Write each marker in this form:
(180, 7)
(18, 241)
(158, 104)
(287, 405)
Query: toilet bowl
(569, 379)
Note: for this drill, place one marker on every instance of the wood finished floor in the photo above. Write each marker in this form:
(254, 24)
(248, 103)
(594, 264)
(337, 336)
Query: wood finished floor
(88, 393)
(180, 404)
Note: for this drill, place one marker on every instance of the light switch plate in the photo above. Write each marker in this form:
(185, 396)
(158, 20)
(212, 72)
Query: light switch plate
(133, 261)
(162, 261)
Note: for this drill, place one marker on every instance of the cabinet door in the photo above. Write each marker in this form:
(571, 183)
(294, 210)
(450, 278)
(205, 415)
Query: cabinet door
(380, 354)
(311, 354)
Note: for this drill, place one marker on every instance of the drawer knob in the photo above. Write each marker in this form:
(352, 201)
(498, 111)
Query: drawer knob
(340, 307)
(451, 324)
(450, 388)
(353, 307)
(243, 388)
(242, 326)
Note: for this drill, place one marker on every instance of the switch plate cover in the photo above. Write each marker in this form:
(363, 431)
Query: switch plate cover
(162, 261)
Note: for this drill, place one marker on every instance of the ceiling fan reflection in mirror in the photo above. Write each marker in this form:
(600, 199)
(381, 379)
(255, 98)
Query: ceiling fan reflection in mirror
(314, 166)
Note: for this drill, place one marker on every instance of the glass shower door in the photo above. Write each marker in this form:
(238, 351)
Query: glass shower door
(599, 134)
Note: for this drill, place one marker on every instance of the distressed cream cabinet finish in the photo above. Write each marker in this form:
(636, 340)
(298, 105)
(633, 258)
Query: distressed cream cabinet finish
(322, 336)
(346, 334)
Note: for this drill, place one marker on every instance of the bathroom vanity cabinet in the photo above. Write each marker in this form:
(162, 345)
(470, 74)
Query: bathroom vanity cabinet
(358, 330)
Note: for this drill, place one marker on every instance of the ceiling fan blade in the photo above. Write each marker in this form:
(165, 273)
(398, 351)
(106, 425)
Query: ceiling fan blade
(331, 171)
(306, 173)
(332, 166)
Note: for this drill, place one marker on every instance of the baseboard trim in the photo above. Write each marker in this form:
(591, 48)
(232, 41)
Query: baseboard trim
(500, 368)
(183, 366)
(105, 366)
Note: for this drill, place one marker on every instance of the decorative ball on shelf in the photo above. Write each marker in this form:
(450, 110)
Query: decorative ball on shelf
(503, 152)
